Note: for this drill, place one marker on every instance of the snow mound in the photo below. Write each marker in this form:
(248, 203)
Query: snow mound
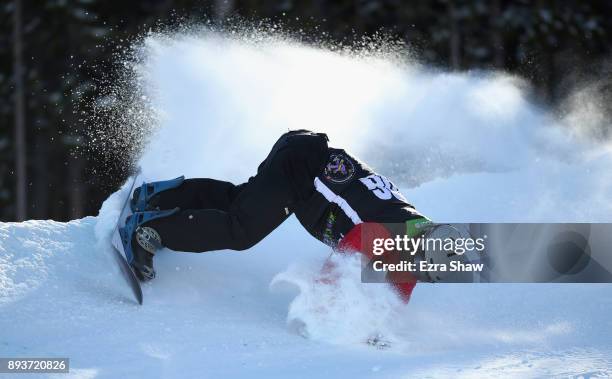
(215, 312)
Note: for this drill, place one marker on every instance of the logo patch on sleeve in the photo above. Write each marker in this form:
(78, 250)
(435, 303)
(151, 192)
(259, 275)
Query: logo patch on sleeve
(339, 168)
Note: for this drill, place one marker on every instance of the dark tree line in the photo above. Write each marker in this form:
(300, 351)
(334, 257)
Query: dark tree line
(56, 55)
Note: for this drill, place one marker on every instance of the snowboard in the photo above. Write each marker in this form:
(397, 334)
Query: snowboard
(117, 246)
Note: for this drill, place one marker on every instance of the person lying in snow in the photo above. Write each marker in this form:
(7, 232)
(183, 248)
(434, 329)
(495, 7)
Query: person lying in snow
(332, 194)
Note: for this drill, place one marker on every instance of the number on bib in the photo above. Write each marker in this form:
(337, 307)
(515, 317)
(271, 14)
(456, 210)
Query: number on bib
(382, 187)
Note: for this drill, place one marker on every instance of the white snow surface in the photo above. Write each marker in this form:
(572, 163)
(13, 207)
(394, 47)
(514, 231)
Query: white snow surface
(462, 147)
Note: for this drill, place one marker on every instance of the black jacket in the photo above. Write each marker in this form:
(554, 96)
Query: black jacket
(333, 190)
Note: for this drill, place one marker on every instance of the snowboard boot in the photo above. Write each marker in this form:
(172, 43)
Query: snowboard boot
(144, 199)
(140, 241)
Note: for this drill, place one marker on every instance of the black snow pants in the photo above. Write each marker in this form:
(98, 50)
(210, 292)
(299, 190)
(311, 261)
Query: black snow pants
(216, 215)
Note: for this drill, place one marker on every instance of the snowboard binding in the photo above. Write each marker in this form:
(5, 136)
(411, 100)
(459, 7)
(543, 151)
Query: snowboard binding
(140, 242)
(143, 198)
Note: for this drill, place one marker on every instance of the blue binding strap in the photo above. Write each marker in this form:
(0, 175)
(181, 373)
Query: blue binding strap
(148, 190)
(133, 222)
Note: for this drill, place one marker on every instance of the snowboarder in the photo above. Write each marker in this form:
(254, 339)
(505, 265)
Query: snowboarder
(331, 193)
